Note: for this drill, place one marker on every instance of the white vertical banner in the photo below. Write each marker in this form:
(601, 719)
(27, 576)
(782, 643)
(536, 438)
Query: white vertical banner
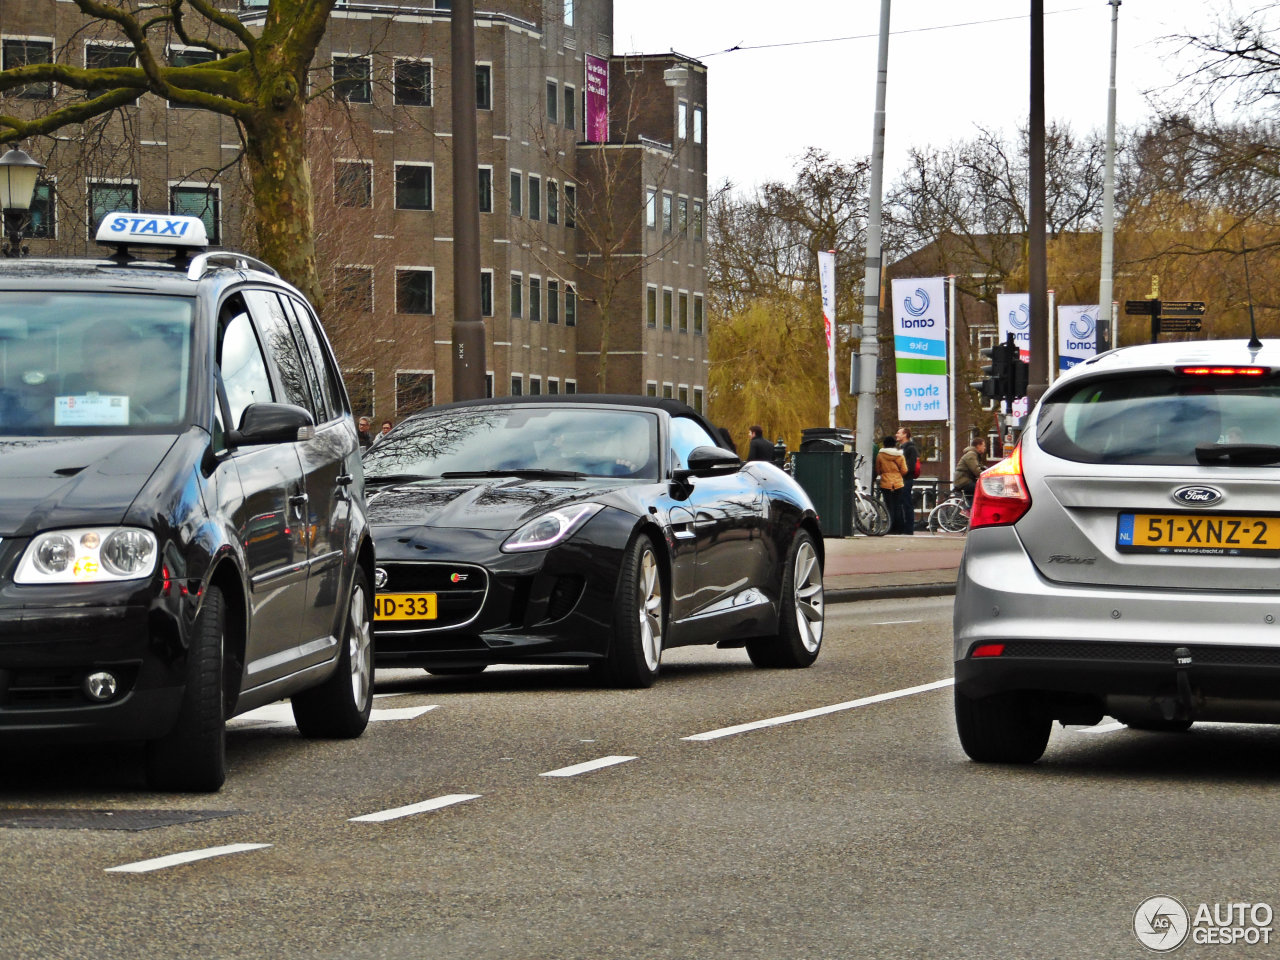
(827, 281)
(920, 348)
(1077, 335)
(1013, 313)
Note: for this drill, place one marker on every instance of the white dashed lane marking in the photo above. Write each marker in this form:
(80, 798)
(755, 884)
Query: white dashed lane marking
(177, 859)
(587, 767)
(274, 713)
(408, 811)
(820, 711)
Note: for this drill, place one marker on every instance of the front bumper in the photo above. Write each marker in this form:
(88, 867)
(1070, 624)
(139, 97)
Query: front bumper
(1148, 652)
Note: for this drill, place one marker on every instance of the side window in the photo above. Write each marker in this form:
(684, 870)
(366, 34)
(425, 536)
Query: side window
(326, 377)
(244, 371)
(277, 337)
(686, 435)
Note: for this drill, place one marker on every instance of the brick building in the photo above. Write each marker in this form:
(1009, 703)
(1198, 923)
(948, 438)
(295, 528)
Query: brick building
(592, 253)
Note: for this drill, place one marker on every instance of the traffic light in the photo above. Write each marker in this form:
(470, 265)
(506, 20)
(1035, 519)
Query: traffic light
(1019, 371)
(997, 374)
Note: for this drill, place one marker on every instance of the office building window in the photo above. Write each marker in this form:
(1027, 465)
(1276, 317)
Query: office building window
(651, 209)
(667, 295)
(352, 79)
(571, 386)
(667, 215)
(553, 101)
(684, 312)
(570, 305)
(667, 392)
(682, 216)
(354, 289)
(697, 315)
(486, 293)
(23, 53)
(102, 56)
(570, 108)
(517, 385)
(412, 79)
(697, 124)
(484, 86)
(415, 291)
(352, 184)
(486, 189)
(199, 202)
(413, 186)
(517, 295)
(682, 121)
(105, 198)
(187, 57)
(697, 220)
(698, 400)
(568, 12)
(553, 385)
(535, 300)
(553, 301)
(651, 306)
(535, 197)
(570, 205)
(517, 193)
(535, 386)
(651, 388)
(683, 394)
(43, 222)
(414, 392)
(553, 202)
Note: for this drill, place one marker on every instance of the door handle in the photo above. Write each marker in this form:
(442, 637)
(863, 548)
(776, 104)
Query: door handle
(298, 501)
(344, 480)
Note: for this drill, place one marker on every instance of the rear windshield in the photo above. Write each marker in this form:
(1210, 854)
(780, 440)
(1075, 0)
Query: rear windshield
(1158, 418)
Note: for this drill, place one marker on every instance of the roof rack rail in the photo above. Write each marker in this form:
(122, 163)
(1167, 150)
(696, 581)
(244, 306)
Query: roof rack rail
(203, 262)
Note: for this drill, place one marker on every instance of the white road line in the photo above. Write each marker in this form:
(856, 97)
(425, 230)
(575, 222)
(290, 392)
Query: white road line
(587, 767)
(177, 859)
(1111, 727)
(398, 812)
(820, 711)
(889, 623)
(274, 713)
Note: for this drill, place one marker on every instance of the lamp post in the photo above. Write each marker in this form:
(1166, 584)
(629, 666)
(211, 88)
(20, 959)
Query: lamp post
(18, 173)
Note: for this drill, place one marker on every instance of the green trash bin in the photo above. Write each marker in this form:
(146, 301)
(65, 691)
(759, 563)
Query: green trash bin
(827, 477)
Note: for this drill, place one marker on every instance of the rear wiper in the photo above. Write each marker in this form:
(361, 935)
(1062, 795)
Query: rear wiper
(391, 478)
(1249, 453)
(528, 472)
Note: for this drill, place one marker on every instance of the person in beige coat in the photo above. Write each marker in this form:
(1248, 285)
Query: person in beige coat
(891, 467)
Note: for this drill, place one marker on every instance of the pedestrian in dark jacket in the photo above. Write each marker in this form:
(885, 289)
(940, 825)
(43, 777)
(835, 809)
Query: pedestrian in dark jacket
(912, 456)
(362, 431)
(759, 448)
(970, 465)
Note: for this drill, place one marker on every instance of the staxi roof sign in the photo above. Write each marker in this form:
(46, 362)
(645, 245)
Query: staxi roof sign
(156, 229)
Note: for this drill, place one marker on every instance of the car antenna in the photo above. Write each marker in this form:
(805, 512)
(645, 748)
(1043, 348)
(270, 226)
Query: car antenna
(1254, 342)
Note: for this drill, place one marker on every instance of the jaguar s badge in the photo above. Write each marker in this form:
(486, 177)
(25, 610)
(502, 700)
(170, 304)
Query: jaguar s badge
(379, 578)
(1197, 496)
(459, 577)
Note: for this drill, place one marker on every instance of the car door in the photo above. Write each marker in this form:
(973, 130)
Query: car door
(724, 516)
(265, 518)
(323, 513)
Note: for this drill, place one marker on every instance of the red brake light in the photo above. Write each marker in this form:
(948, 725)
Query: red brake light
(1224, 371)
(1000, 497)
(988, 650)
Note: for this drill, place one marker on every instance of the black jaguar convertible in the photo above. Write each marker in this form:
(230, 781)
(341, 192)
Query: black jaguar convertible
(595, 530)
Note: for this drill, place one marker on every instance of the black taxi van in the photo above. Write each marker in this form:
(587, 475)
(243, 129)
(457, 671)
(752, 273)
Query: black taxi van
(182, 512)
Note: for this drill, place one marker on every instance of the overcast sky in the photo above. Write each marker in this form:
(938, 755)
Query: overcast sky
(944, 79)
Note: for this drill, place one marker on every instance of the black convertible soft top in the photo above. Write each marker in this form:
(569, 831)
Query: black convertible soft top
(673, 407)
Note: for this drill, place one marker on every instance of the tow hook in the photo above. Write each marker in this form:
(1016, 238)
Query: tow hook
(1178, 707)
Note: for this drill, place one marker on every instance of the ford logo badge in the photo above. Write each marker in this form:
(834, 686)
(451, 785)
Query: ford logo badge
(1197, 496)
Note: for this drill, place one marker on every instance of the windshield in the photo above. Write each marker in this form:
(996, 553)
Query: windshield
(89, 362)
(1161, 419)
(516, 440)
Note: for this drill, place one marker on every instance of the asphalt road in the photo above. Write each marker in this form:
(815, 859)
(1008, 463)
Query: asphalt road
(859, 830)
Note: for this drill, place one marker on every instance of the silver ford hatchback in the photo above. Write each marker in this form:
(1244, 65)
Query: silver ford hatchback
(1125, 561)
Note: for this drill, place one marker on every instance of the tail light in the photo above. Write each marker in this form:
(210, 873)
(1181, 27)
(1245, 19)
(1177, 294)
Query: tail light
(1000, 497)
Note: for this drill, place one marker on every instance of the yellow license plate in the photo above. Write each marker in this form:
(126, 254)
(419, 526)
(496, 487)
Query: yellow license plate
(404, 606)
(1210, 534)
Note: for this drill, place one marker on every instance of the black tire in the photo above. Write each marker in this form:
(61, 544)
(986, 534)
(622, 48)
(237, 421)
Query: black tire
(192, 757)
(1005, 728)
(456, 671)
(339, 708)
(640, 621)
(801, 611)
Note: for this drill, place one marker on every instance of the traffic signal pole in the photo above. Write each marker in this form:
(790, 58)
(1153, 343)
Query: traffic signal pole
(468, 327)
(1037, 254)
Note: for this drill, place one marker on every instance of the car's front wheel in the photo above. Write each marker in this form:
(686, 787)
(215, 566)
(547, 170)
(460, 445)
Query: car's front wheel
(1004, 728)
(641, 619)
(193, 755)
(339, 708)
(801, 613)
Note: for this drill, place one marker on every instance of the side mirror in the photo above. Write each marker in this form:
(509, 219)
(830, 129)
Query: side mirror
(272, 423)
(708, 462)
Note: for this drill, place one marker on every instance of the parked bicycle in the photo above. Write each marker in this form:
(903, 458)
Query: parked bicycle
(870, 512)
(951, 515)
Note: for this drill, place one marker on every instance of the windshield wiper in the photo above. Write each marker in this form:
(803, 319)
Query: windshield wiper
(397, 478)
(525, 472)
(1248, 453)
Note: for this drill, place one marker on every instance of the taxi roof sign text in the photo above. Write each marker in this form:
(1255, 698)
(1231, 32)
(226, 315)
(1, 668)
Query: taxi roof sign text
(157, 229)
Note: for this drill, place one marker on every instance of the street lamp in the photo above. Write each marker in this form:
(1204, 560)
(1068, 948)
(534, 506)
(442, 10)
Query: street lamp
(18, 173)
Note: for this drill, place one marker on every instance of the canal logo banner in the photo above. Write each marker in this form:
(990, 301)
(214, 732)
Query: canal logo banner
(920, 348)
(1077, 335)
(1013, 315)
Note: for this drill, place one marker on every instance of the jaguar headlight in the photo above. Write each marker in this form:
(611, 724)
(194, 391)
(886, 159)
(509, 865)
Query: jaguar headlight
(551, 528)
(93, 555)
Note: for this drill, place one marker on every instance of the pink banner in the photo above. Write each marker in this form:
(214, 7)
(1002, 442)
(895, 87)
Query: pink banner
(597, 99)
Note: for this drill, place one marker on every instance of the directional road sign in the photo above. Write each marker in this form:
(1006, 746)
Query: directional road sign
(1181, 308)
(1142, 308)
